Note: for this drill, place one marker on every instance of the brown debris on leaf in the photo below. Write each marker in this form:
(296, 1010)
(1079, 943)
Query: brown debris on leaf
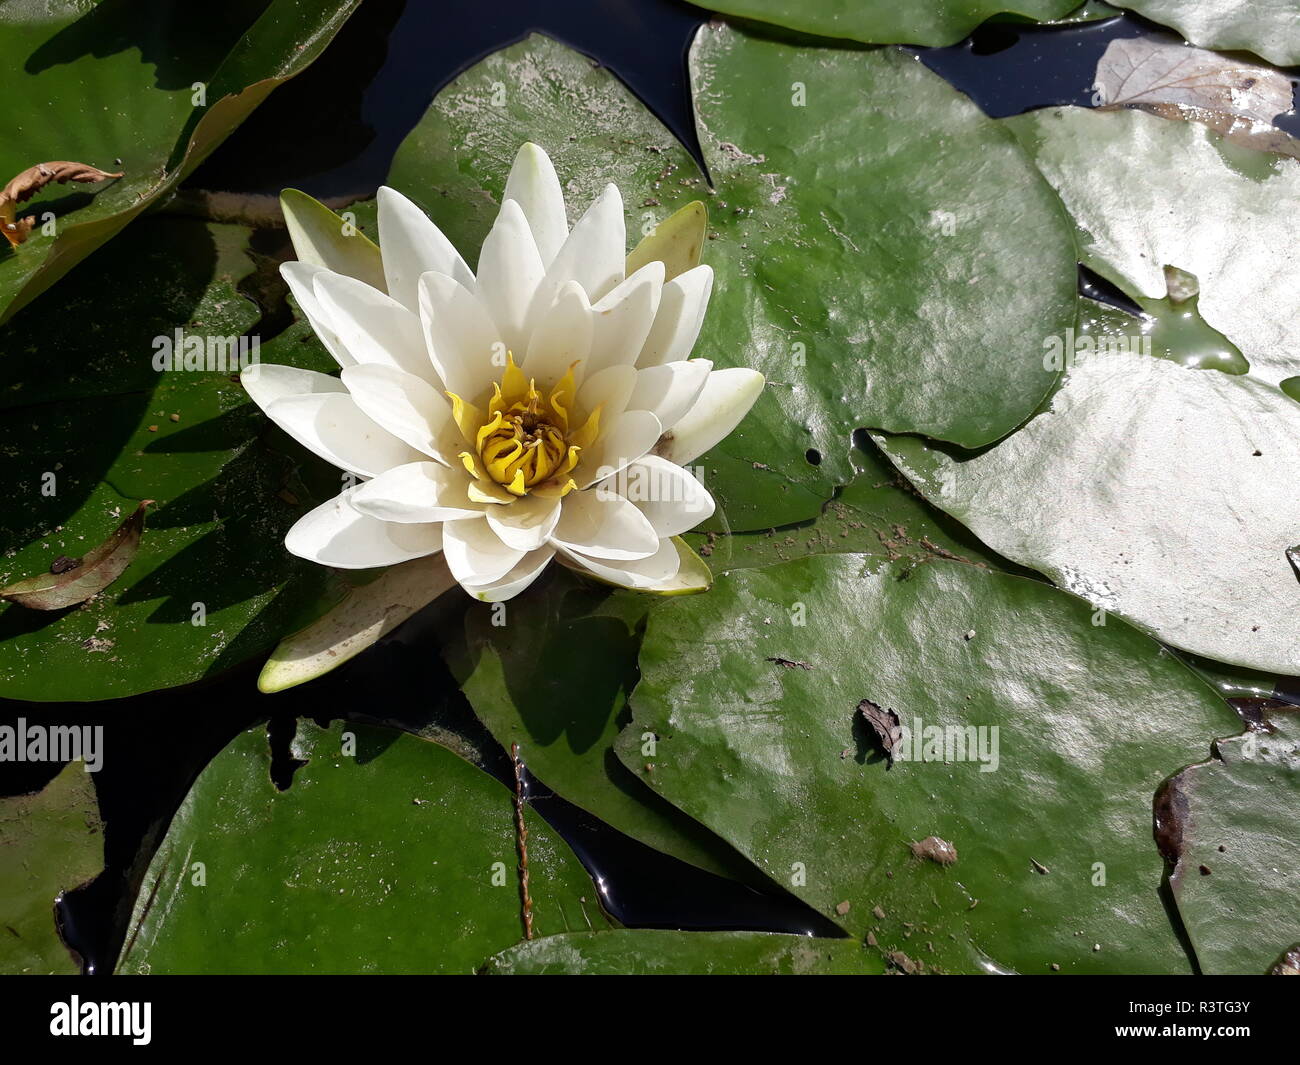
(903, 963)
(67, 585)
(27, 184)
(1288, 964)
(1166, 77)
(934, 849)
(886, 726)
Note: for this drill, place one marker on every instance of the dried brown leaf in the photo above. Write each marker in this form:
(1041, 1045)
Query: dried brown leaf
(27, 184)
(97, 570)
(885, 724)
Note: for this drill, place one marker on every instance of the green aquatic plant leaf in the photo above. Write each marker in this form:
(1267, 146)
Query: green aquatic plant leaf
(386, 854)
(149, 89)
(1017, 836)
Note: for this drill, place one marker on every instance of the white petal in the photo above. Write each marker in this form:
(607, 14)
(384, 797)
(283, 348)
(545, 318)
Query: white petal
(681, 313)
(267, 382)
(642, 573)
(621, 320)
(475, 554)
(604, 525)
(464, 343)
(534, 185)
(526, 570)
(407, 406)
(334, 534)
(609, 389)
(625, 438)
(416, 492)
(301, 279)
(726, 399)
(526, 523)
(373, 327)
(561, 337)
(670, 497)
(668, 391)
(333, 426)
(593, 255)
(509, 272)
(321, 238)
(412, 245)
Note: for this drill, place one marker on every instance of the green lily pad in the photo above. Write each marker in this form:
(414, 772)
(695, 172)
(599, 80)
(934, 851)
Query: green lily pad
(958, 253)
(1149, 194)
(1266, 27)
(1229, 824)
(878, 513)
(1117, 491)
(122, 82)
(887, 21)
(400, 859)
(551, 671)
(86, 425)
(646, 951)
(753, 693)
(51, 841)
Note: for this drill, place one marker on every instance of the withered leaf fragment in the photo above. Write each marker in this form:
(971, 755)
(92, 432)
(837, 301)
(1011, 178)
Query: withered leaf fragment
(935, 849)
(885, 724)
(30, 182)
(98, 569)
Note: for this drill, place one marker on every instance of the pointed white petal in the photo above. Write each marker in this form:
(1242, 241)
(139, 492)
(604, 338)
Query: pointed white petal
(609, 389)
(670, 497)
(334, 534)
(726, 399)
(672, 570)
(526, 523)
(373, 327)
(407, 406)
(625, 438)
(416, 492)
(321, 238)
(603, 524)
(631, 573)
(301, 278)
(668, 391)
(561, 337)
(526, 570)
(412, 245)
(267, 382)
(621, 320)
(534, 185)
(509, 272)
(593, 255)
(331, 425)
(681, 313)
(475, 553)
(466, 347)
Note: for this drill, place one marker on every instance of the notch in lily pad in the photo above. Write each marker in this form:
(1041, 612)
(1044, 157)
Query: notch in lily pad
(73, 581)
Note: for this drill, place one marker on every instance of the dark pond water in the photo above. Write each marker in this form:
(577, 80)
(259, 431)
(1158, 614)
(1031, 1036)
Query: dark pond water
(333, 131)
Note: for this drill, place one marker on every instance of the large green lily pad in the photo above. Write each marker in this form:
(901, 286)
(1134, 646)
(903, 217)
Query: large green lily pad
(875, 170)
(759, 737)
(1148, 485)
(86, 425)
(149, 89)
(50, 842)
(400, 859)
(647, 952)
(1230, 823)
(932, 22)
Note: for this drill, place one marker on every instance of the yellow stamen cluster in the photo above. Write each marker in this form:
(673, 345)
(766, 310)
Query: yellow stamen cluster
(524, 441)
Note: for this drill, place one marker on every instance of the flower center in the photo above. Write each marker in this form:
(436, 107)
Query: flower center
(527, 440)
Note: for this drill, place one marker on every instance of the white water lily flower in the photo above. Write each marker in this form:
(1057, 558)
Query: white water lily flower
(541, 407)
